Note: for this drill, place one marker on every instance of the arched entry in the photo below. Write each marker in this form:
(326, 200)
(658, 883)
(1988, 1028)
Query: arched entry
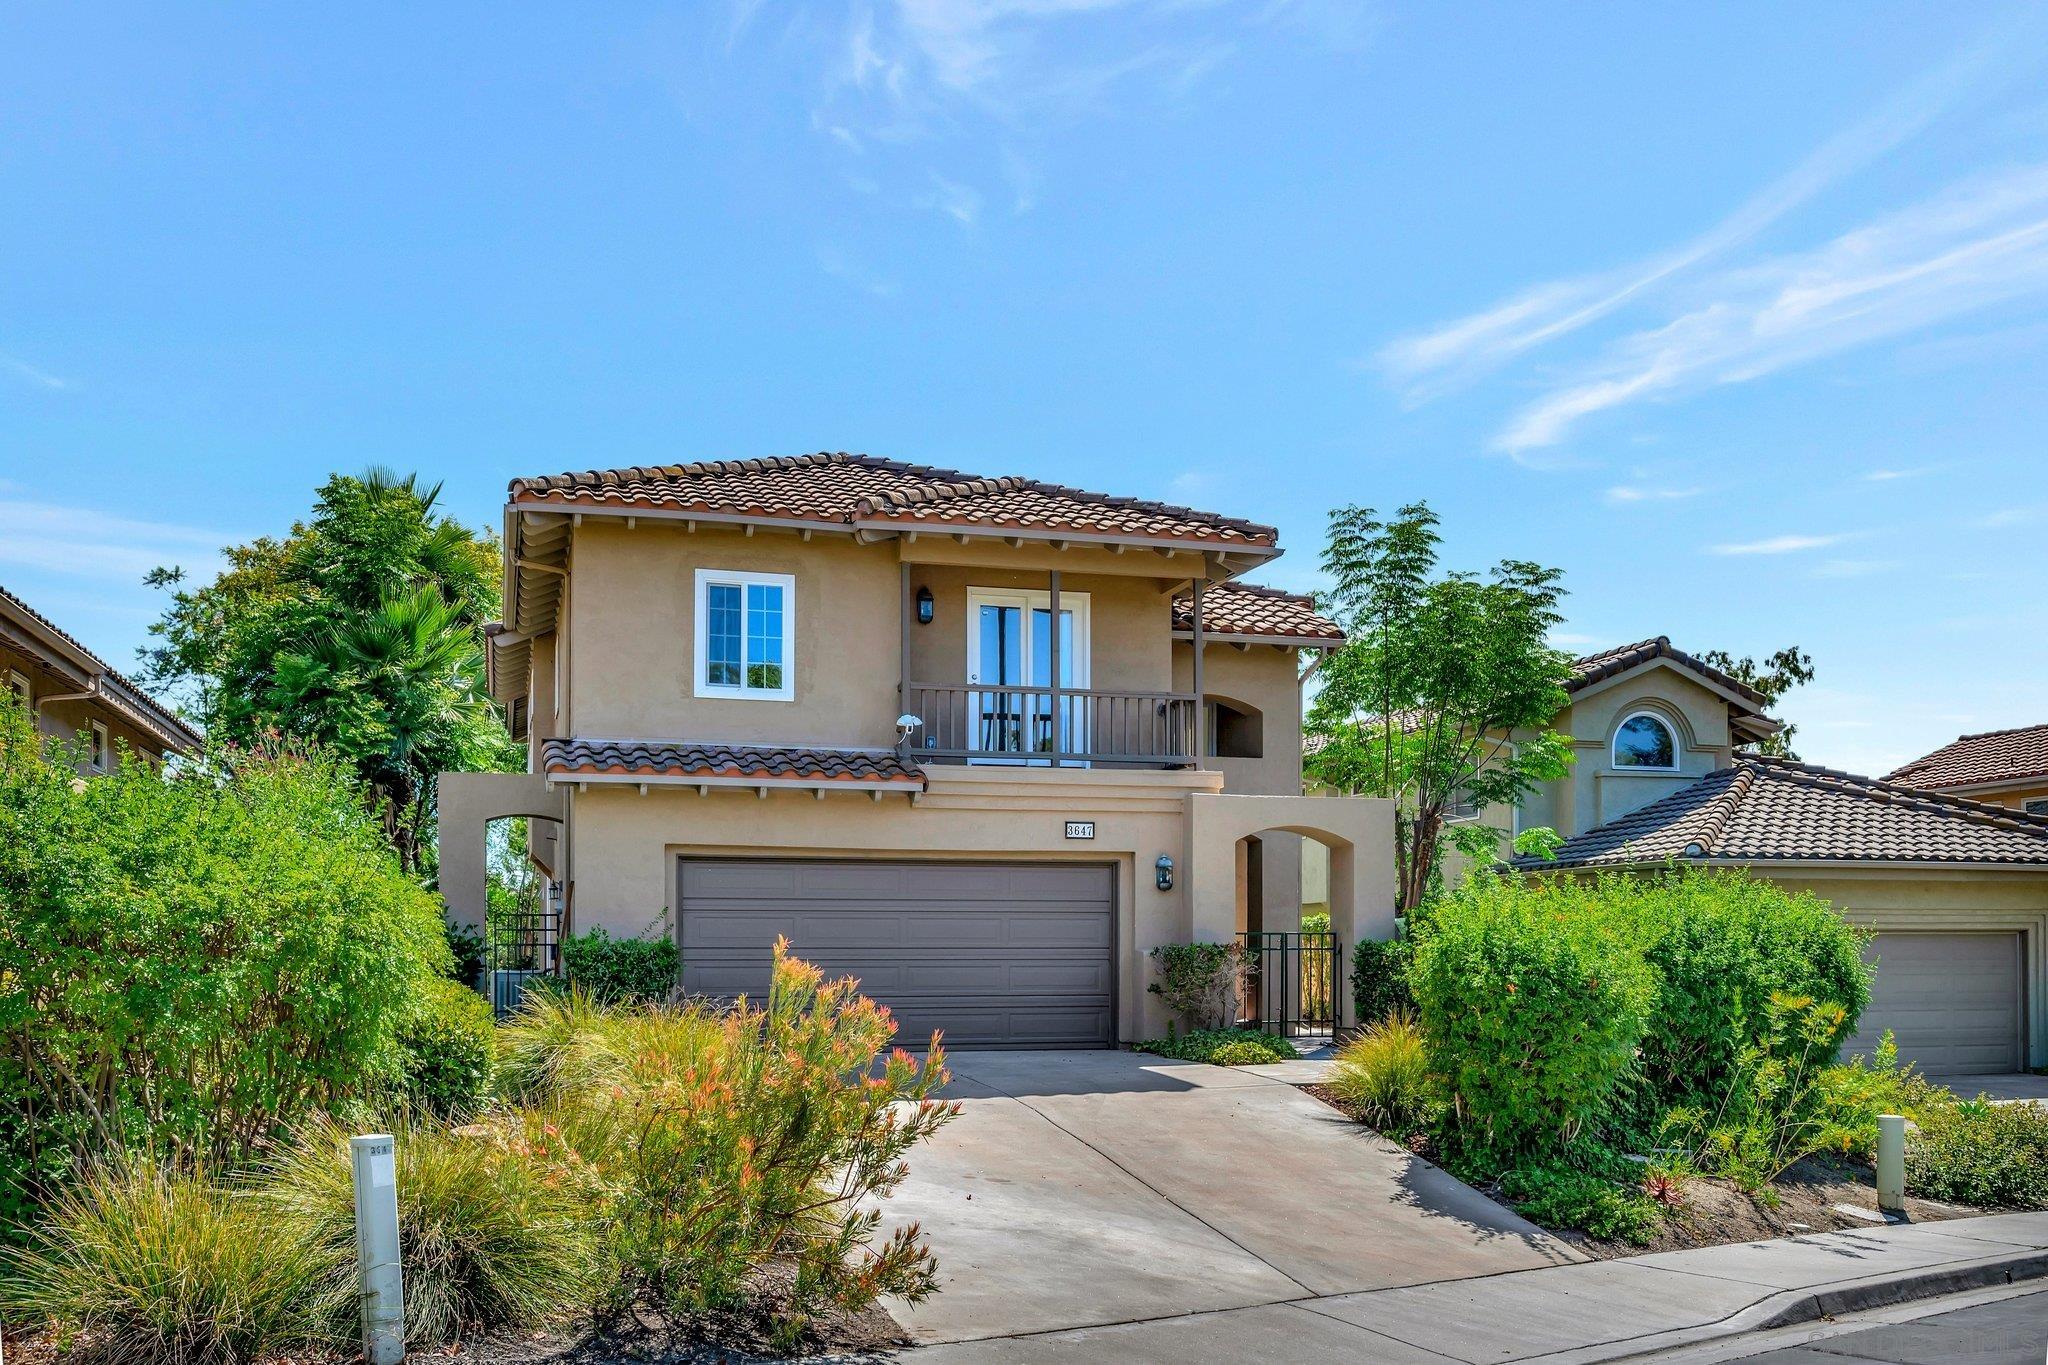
(1357, 831)
(524, 945)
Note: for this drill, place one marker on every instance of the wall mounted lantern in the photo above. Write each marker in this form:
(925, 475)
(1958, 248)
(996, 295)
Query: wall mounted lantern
(1165, 869)
(924, 606)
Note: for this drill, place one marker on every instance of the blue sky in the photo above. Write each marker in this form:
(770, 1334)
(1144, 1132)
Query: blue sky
(1738, 314)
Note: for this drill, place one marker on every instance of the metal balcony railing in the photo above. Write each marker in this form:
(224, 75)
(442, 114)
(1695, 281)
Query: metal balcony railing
(1054, 725)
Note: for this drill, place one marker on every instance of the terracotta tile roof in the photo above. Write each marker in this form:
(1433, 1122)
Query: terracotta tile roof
(1771, 809)
(1596, 667)
(1993, 756)
(1248, 609)
(861, 490)
(647, 758)
(121, 693)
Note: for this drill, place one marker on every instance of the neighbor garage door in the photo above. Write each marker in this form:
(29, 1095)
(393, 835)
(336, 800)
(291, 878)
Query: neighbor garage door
(994, 954)
(1952, 1001)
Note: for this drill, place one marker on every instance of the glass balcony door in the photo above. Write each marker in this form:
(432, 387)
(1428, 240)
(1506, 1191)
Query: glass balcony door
(1009, 664)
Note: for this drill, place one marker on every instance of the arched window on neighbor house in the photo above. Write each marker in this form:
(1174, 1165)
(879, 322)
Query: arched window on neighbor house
(1645, 740)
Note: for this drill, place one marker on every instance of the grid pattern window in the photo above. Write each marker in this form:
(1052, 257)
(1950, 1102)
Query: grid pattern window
(102, 753)
(745, 635)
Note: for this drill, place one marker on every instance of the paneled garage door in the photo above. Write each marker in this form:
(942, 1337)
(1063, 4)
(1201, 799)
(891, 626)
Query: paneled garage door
(1953, 1001)
(994, 954)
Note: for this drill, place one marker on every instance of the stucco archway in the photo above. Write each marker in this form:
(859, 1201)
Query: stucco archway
(466, 805)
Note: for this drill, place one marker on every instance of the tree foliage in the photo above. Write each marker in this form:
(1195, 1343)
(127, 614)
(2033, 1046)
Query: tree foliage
(362, 629)
(1771, 678)
(190, 957)
(1444, 693)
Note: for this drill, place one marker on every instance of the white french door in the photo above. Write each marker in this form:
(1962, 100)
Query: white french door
(1009, 665)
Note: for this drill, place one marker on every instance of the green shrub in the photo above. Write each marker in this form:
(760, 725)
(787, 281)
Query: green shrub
(493, 1225)
(190, 958)
(1199, 982)
(1853, 1093)
(621, 969)
(465, 953)
(1224, 1047)
(1379, 978)
(1384, 1074)
(1722, 944)
(1563, 1197)
(166, 1268)
(1976, 1152)
(722, 1144)
(445, 1051)
(1778, 1107)
(1533, 997)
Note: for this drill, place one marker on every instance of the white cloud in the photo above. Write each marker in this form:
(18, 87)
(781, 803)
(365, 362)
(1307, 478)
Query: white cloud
(1777, 545)
(1564, 639)
(1632, 493)
(1429, 362)
(1854, 568)
(1893, 475)
(2013, 516)
(87, 543)
(1980, 243)
(955, 200)
(41, 378)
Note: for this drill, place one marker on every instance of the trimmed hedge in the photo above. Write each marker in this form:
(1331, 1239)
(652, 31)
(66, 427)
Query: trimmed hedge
(1379, 978)
(446, 1050)
(622, 970)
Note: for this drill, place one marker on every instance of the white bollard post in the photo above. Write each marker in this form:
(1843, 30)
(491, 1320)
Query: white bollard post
(1891, 1163)
(383, 1283)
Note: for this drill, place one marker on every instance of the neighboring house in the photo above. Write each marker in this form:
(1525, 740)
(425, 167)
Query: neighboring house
(1956, 889)
(1644, 720)
(825, 697)
(76, 697)
(2002, 767)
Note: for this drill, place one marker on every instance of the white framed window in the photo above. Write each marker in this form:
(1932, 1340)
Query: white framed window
(102, 753)
(2037, 806)
(746, 635)
(1646, 742)
(18, 686)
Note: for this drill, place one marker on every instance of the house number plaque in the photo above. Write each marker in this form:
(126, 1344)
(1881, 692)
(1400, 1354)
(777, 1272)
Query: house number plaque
(1080, 829)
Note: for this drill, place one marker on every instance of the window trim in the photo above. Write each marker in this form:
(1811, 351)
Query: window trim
(101, 755)
(1670, 728)
(701, 668)
(18, 683)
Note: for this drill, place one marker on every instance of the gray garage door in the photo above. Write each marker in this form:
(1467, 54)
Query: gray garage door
(994, 954)
(1953, 1001)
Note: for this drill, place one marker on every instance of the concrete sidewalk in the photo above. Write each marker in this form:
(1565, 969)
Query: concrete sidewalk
(1572, 1313)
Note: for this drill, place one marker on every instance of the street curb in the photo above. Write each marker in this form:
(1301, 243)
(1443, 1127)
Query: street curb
(1791, 1307)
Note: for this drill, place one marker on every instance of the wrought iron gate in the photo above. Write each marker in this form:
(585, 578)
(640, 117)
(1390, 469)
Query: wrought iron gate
(1291, 982)
(521, 943)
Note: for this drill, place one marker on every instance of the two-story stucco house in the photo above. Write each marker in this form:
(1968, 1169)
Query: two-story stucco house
(982, 743)
(76, 697)
(1955, 888)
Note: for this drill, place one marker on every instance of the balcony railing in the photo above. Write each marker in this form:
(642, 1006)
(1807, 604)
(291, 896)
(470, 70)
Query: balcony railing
(1054, 726)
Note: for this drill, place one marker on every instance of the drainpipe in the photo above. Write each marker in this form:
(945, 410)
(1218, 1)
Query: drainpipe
(92, 693)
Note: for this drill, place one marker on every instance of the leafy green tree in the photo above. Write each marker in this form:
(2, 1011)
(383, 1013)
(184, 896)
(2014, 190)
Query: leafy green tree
(362, 629)
(1772, 678)
(1445, 692)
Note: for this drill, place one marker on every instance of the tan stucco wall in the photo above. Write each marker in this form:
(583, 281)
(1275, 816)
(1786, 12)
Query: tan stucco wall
(2012, 798)
(1128, 638)
(625, 845)
(65, 720)
(1267, 680)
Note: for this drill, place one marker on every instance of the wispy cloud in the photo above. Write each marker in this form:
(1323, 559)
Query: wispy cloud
(1432, 361)
(2014, 516)
(1894, 475)
(1777, 545)
(41, 378)
(1854, 568)
(835, 261)
(87, 543)
(957, 201)
(1980, 243)
(1624, 493)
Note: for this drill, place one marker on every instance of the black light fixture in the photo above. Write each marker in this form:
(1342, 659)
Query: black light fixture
(1164, 868)
(924, 606)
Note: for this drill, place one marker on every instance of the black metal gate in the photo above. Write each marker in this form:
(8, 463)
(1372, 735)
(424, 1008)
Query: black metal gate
(522, 942)
(1291, 982)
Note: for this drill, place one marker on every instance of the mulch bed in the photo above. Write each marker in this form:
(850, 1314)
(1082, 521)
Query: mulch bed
(1716, 1213)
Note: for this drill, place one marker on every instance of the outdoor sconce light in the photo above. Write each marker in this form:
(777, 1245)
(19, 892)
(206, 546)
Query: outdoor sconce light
(1165, 867)
(924, 606)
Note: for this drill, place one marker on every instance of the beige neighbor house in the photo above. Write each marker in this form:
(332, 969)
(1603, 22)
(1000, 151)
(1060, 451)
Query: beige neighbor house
(1956, 889)
(824, 697)
(2003, 767)
(75, 697)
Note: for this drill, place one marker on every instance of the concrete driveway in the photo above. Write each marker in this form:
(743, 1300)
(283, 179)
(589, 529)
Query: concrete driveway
(1087, 1188)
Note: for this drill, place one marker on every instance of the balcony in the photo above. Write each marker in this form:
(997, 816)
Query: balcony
(965, 722)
